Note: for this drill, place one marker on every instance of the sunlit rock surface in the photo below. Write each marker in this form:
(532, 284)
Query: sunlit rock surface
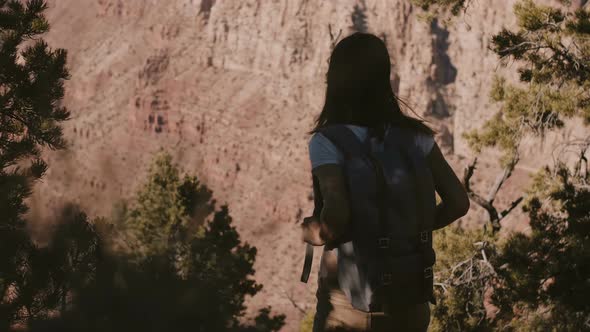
(231, 87)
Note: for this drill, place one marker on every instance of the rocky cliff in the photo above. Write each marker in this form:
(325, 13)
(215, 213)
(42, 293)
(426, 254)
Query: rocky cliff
(231, 87)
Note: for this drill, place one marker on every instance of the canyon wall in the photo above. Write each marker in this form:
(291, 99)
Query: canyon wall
(230, 88)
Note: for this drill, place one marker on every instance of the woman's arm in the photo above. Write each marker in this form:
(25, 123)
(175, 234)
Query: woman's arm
(335, 215)
(455, 202)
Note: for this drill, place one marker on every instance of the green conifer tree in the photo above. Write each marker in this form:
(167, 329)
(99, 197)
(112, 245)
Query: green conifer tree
(186, 274)
(171, 266)
(540, 280)
(442, 8)
(543, 281)
(31, 88)
(463, 275)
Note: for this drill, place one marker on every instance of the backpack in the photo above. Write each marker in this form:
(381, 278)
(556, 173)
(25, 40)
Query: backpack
(389, 259)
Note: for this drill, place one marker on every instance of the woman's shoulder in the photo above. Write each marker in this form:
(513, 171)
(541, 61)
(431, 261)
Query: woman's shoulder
(425, 141)
(320, 144)
(322, 150)
(317, 139)
(422, 139)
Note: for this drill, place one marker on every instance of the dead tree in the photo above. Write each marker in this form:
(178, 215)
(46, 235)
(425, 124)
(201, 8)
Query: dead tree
(333, 39)
(487, 203)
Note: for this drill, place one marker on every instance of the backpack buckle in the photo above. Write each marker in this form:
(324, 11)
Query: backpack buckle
(424, 237)
(428, 272)
(383, 242)
(386, 278)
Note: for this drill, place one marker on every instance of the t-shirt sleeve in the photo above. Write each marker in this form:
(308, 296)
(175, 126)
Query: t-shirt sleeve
(323, 151)
(425, 142)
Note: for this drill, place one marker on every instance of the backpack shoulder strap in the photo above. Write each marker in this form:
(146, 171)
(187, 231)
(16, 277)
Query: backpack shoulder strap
(351, 146)
(424, 212)
(404, 139)
(318, 200)
(348, 144)
(345, 140)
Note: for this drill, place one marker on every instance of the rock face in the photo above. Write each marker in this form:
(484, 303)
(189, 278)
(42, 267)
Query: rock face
(230, 88)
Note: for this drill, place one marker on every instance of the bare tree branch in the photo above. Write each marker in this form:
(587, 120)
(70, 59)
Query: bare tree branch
(295, 304)
(333, 39)
(506, 173)
(488, 203)
(474, 269)
(511, 207)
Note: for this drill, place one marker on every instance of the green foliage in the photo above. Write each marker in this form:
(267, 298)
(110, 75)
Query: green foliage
(160, 265)
(529, 111)
(307, 322)
(31, 88)
(164, 210)
(45, 277)
(171, 268)
(543, 280)
(438, 8)
(553, 48)
(454, 6)
(265, 322)
(463, 273)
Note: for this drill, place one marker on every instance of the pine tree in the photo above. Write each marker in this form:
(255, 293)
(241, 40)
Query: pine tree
(441, 8)
(543, 279)
(167, 209)
(188, 273)
(539, 280)
(31, 88)
(541, 276)
(552, 46)
(54, 272)
(171, 267)
(463, 275)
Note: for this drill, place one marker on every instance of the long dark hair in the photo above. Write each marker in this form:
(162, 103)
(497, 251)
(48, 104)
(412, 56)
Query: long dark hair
(359, 89)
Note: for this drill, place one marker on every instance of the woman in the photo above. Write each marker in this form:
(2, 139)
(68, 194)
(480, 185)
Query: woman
(359, 96)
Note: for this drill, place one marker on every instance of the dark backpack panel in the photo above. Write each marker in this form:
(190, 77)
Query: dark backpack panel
(393, 201)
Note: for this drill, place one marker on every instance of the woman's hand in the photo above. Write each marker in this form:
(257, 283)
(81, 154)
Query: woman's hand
(311, 228)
